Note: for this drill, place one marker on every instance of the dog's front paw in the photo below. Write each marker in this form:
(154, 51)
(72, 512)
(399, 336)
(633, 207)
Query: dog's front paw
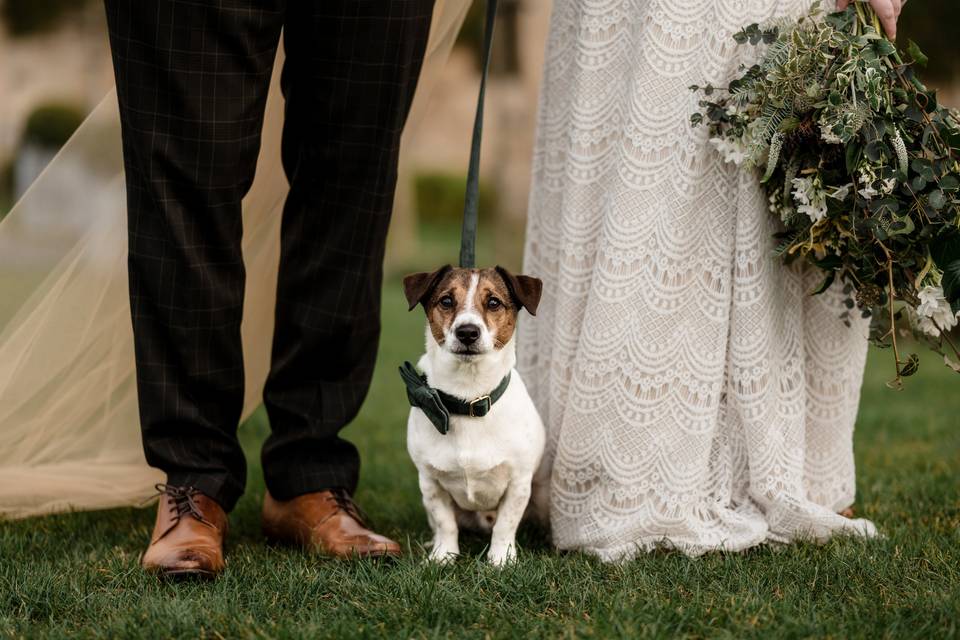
(501, 556)
(442, 553)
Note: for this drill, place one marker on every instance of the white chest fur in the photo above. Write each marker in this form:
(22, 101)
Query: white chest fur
(481, 464)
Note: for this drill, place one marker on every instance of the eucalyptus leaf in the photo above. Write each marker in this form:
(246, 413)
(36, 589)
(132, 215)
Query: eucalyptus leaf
(937, 199)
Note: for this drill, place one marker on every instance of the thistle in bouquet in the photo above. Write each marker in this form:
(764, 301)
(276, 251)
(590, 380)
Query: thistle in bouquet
(860, 164)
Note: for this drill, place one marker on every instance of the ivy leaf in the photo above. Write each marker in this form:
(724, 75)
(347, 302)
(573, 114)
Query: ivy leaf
(901, 227)
(911, 366)
(945, 252)
(918, 56)
(914, 113)
(853, 157)
(884, 47)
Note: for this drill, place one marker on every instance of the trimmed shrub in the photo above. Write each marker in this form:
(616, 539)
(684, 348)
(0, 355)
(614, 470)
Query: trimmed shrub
(439, 198)
(51, 125)
(27, 17)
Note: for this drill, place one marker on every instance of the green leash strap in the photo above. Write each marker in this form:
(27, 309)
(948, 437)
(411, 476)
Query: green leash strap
(471, 203)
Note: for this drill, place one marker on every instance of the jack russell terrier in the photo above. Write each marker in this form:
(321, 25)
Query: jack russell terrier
(473, 432)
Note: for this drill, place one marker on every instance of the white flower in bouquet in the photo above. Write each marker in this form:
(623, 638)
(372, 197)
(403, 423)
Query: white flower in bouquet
(934, 314)
(841, 192)
(827, 134)
(731, 150)
(810, 198)
(868, 192)
(859, 162)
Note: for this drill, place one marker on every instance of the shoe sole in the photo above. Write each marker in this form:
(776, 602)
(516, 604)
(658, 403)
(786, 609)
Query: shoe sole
(184, 575)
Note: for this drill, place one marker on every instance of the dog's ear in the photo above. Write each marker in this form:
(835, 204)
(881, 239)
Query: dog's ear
(419, 286)
(525, 290)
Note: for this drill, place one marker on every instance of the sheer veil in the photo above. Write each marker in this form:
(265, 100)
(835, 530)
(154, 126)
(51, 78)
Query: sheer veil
(69, 428)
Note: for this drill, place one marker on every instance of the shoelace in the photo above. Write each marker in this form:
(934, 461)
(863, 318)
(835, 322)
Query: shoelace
(345, 502)
(182, 499)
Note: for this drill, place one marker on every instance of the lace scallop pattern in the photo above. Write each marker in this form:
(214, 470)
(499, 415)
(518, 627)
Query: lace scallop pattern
(696, 397)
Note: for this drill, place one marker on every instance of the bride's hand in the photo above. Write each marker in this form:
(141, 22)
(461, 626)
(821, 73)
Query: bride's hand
(887, 10)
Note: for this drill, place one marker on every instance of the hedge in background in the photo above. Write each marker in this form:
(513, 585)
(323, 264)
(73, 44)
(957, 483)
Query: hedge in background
(52, 124)
(6, 187)
(26, 17)
(934, 26)
(440, 198)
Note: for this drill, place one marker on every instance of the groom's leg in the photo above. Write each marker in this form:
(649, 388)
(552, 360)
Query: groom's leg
(349, 78)
(192, 80)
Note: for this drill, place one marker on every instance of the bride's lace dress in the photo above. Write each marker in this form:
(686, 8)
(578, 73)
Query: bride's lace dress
(696, 396)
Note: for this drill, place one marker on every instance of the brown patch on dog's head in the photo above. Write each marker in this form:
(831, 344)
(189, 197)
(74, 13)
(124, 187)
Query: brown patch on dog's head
(471, 311)
(419, 286)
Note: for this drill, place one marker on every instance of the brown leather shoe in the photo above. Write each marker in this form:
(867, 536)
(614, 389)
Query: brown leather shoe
(188, 536)
(328, 522)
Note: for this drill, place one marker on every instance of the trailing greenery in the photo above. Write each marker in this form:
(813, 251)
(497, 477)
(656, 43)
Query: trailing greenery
(861, 166)
(28, 17)
(52, 124)
(76, 575)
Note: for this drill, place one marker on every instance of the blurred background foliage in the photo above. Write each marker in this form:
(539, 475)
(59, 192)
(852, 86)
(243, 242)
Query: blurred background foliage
(29, 17)
(437, 195)
(439, 198)
(6, 186)
(935, 26)
(51, 124)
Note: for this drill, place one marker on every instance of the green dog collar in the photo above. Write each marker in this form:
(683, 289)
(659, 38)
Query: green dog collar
(439, 406)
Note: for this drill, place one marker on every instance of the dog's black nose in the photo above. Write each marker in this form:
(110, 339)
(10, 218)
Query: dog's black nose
(467, 334)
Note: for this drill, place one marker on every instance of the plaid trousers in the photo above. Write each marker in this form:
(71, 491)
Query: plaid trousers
(192, 81)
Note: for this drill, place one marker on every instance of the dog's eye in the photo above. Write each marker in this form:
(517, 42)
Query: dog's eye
(493, 304)
(446, 302)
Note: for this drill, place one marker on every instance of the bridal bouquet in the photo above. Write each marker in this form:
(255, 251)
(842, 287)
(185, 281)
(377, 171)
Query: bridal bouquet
(861, 165)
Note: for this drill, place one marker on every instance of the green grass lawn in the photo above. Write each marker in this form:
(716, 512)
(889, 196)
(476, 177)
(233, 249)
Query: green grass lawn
(77, 574)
